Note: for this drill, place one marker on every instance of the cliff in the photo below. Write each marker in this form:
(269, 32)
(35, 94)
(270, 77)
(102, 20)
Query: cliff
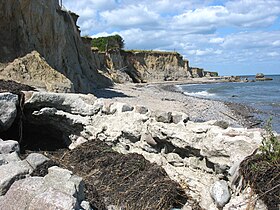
(153, 66)
(40, 45)
(146, 66)
(43, 26)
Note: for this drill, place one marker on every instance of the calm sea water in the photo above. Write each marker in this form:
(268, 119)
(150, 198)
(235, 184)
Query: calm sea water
(262, 95)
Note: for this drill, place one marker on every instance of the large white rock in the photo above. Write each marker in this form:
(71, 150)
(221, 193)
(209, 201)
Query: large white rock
(32, 194)
(8, 110)
(22, 191)
(220, 193)
(57, 190)
(64, 181)
(72, 103)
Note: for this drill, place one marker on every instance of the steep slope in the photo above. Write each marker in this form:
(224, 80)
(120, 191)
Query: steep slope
(142, 66)
(43, 26)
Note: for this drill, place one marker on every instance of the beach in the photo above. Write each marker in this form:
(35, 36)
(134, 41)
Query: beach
(167, 97)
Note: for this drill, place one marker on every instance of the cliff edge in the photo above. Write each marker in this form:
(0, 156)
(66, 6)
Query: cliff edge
(142, 66)
(42, 26)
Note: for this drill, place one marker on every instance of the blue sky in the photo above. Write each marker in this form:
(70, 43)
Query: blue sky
(233, 37)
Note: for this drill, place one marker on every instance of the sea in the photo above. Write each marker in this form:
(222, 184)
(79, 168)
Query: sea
(261, 95)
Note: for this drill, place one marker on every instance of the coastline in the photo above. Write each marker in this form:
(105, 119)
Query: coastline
(165, 96)
(192, 152)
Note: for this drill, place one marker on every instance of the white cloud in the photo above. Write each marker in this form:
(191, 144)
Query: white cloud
(216, 40)
(273, 54)
(250, 40)
(205, 31)
(131, 16)
(276, 43)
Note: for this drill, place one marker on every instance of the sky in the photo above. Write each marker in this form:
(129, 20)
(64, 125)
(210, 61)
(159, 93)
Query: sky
(233, 37)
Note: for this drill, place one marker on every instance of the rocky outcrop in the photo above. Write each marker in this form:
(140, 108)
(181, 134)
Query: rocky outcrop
(112, 64)
(146, 66)
(59, 189)
(261, 77)
(194, 154)
(33, 70)
(155, 66)
(43, 26)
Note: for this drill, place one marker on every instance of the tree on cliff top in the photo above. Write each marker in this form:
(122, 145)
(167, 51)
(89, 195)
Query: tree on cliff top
(108, 43)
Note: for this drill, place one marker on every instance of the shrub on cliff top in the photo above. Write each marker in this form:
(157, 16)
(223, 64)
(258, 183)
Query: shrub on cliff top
(108, 43)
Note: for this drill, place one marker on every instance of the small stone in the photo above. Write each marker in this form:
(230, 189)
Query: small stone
(220, 193)
(174, 159)
(221, 124)
(86, 205)
(178, 117)
(141, 109)
(147, 137)
(120, 107)
(35, 160)
(164, 117)
(80, 140)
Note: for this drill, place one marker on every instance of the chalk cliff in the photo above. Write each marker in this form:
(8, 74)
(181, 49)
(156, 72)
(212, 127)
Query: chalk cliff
(43, 26)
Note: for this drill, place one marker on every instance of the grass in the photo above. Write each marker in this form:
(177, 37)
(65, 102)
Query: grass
(152, 51)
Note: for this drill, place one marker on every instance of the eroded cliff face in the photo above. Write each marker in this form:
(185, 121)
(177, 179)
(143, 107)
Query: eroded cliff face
(157, 66)
(142, 66)
(43, 26)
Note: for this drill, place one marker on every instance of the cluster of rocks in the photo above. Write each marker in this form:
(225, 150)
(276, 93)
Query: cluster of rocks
(200, 156)
(59, 189)
(261, 77)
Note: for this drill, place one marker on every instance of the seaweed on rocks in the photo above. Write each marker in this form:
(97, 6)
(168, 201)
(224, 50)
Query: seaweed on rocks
(42, 170)
(261, 170)
(264, 179)
(127, 181)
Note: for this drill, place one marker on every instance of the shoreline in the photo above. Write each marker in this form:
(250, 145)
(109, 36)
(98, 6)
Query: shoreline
(247, 112)
(165, 96)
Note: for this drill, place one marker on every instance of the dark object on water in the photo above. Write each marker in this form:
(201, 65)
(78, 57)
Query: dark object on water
(234, 96)
(261, 77)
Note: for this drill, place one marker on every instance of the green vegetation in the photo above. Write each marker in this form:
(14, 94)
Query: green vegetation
(108, 43)
(261, 170)
(270, 144)
(152, 52)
